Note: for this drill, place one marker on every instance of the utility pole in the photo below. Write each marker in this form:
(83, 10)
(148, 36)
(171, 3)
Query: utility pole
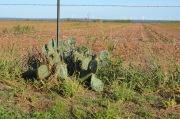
(58, 25)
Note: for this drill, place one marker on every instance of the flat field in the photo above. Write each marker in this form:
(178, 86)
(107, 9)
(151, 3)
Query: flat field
(152, 92)
(132, 41)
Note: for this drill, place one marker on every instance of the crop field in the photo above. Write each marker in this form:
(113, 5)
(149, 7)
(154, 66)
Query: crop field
(129, 40)
(144, 81)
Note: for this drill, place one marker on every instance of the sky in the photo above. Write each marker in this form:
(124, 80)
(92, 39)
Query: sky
(92, 12)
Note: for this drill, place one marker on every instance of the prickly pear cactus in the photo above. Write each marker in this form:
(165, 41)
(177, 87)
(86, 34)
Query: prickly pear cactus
(69, 60)
(62, 70)
(104, 59)
(72, 42)
(96, 84)
(85, 63)
(43, 72)
(104, 55)
(93, 64)
(53, 55)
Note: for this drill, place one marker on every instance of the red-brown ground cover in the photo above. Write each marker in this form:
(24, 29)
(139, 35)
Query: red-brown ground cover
(132, 41)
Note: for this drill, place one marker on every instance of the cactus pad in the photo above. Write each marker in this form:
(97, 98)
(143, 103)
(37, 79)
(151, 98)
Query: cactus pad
(96, 84)
(43, 72)
(62, 71)
(104, 55)
(85, 63)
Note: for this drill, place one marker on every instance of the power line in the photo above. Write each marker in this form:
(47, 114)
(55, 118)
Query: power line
(28, 4)
(115, 6)
(70, 5)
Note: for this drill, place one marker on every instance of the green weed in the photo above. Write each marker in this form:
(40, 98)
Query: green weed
(67, 88)
(59, 110)
(18, 30)
(5, 30)
(113, 72)
(111, 112)
(9, 64)
(169, 103)
(122, 92)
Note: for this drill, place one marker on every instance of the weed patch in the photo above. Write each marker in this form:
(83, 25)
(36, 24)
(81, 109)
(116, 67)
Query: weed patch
(18, 30)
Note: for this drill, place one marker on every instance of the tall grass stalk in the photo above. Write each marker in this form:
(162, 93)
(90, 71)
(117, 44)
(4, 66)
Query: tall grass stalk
(9, 63)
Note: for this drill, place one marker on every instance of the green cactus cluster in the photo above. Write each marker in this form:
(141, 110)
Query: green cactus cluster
(68, 60)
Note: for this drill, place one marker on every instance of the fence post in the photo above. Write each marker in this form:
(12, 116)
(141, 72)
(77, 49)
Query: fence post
(58, 17)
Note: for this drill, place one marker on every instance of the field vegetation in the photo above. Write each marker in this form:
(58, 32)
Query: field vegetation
(142, 81)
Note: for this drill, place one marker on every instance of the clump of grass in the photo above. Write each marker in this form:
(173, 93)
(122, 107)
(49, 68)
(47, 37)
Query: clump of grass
(113, 71)
(143, 113)
(18, 30)
(67, 88)
(173, 76)
(9, 64)
(59, 110)
(13, 114)
(170, 103)
(5, 30)
(117, 91)
(110, 112)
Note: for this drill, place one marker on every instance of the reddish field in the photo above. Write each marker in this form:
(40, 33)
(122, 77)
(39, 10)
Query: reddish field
(134, 42)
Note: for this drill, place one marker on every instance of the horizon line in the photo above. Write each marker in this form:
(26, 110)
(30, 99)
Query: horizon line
(87, 19)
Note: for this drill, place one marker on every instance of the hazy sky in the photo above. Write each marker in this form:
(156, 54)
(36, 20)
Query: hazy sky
(92, 12)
